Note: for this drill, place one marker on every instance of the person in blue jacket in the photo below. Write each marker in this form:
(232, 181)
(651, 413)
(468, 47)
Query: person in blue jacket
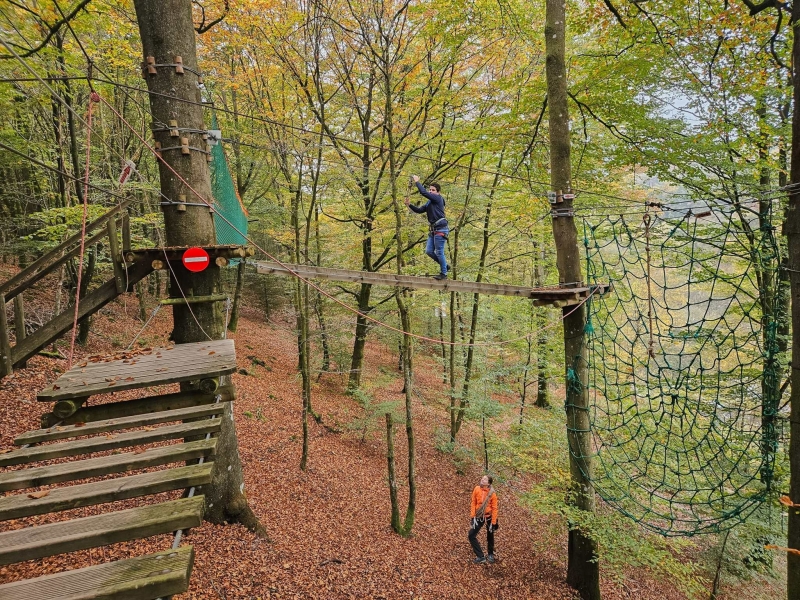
(437, 224)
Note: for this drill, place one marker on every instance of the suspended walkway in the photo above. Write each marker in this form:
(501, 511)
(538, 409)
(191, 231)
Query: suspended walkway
(545, 296)
(130, 428)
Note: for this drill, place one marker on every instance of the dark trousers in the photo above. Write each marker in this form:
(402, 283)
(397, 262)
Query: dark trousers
(476, 545)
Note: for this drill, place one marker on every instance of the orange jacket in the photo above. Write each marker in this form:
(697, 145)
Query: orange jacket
(478, 496)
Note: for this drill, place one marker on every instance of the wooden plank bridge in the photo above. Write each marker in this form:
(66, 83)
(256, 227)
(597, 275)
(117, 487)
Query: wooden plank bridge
(544, 296)
(129, 426)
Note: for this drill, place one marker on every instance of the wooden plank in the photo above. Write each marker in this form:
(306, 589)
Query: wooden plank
(127, 408)
(126, 233)
(35, 267)
(142, 578)
(182, 362)
(6, 360)
(100, 530)
(19, 322)
(105, 465)
(19, 506)
(154, 418)
(53, 266)
(108, 442)
(546, 295)
(175, 253)
(63, 322)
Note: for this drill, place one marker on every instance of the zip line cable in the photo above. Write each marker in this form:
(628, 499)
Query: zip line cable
(409, 154)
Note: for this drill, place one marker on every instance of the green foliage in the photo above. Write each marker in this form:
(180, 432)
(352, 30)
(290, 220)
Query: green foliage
(372, 413)
(463, 458)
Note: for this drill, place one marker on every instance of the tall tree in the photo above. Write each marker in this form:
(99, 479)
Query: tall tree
(167, 32)
(583, 572)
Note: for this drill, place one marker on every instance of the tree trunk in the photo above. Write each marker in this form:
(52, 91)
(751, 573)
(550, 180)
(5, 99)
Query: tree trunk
(583, 566)
(792, 231)
(237, 297)
(167, 32)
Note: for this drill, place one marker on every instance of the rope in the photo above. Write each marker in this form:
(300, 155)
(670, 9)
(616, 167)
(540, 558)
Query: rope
(310, 283)
(94, 97)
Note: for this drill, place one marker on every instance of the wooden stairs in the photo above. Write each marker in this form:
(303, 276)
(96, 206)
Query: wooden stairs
(125, 276)
(135, 469)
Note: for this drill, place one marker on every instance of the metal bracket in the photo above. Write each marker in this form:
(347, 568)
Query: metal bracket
(562, 212)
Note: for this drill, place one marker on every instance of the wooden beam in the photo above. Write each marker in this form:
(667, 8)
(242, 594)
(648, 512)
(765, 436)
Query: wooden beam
(127, 408)
(63, 322)
(31, 543)
(19, 323)
(141, 578)
(116, 256)
(163, 416)
(108, 442)
(543, 296)
(46, 270)
(6, 360)
(105, 465)
(19, 506)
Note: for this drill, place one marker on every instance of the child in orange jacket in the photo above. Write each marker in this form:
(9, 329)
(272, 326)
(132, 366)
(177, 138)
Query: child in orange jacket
(483, 509)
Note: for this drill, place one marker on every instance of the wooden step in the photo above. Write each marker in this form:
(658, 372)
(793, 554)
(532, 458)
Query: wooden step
(105, 465)
(141, 578)
(100, 492)
(100, 530)
(153, 418)
(109, 442)
(148, 404)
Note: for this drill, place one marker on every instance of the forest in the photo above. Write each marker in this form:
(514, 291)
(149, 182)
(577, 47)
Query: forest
(610, 341)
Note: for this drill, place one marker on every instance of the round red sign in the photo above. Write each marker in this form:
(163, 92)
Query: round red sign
(195, 259)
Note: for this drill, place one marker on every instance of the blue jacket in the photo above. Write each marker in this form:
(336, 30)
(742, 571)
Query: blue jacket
(433, 208)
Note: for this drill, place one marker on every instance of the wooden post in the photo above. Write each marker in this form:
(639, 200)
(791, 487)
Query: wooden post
(5, 345)
(126, 232)
(116, 256)
(583, 572)
(19, 323)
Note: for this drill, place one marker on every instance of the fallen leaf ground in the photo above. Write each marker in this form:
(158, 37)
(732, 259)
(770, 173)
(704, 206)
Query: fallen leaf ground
(329, 534)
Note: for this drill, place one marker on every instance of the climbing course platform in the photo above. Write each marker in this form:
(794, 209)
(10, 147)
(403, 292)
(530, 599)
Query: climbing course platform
(545, 296)
(187, 420)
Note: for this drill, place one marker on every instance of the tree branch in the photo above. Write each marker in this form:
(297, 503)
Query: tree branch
(615, 12)
(52, 30)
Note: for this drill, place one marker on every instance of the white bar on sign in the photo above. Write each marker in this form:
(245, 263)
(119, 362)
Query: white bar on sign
(195, 259)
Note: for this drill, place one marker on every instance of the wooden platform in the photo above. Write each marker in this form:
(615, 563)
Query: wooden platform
(158, 366)
(187, 420)
(548, 296)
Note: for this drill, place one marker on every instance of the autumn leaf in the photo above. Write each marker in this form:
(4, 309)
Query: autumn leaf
(37, 495)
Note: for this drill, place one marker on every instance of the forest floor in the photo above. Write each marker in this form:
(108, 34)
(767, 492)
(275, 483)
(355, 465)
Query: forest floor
(329, 533)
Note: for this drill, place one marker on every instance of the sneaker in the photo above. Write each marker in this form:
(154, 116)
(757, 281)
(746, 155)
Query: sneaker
(440, 276)
(448, 268)
(480, 560)
(490, 559)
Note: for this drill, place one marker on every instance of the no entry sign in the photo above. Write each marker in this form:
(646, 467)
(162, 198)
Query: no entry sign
(195, 259)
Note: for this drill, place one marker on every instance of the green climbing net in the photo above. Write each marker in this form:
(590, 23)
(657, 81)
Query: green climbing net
(685, 364)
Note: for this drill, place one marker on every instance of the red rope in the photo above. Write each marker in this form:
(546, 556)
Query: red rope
(94, 97)
(310, 283)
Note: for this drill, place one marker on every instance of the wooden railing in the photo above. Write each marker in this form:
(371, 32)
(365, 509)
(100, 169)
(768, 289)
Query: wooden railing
(25, 346)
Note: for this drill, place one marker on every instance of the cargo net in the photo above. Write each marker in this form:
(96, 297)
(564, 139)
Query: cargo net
(685, 364)
(230, 216)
